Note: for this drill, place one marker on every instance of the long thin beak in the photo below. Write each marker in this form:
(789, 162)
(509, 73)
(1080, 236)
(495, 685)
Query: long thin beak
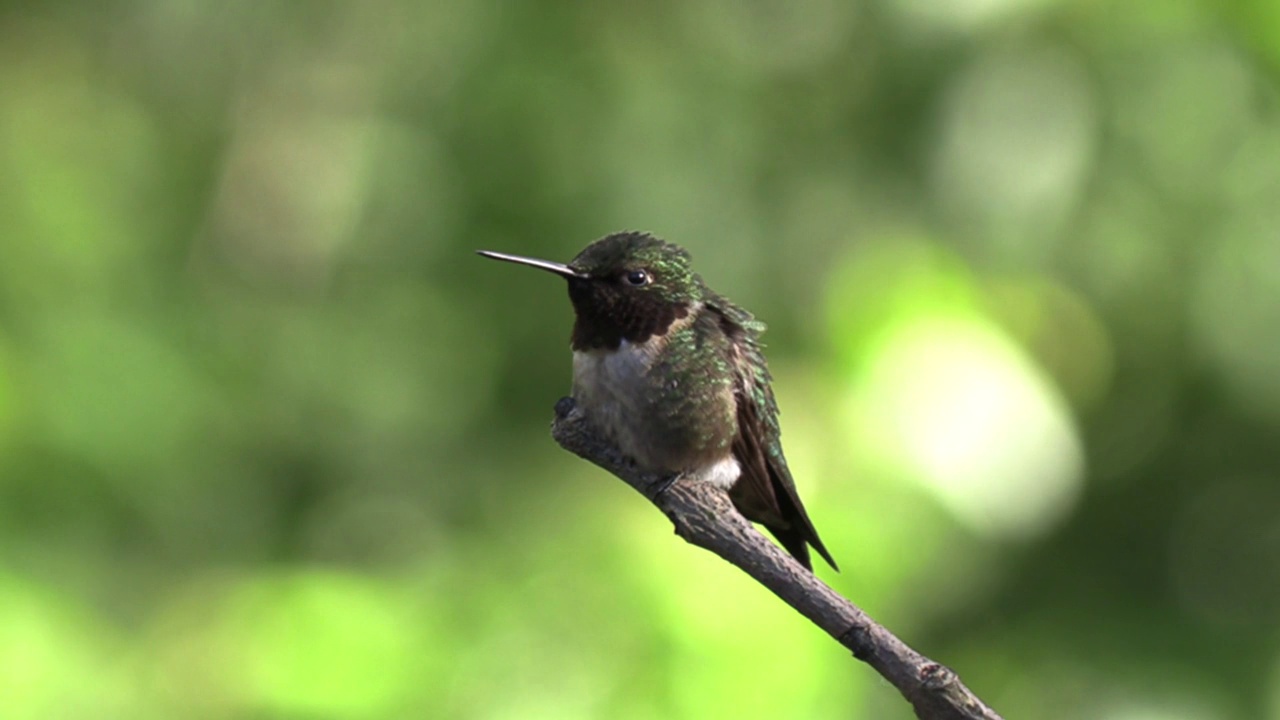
(555, 267)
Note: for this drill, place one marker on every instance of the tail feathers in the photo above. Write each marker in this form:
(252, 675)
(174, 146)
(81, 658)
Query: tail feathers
(794, 543)
(797, 541)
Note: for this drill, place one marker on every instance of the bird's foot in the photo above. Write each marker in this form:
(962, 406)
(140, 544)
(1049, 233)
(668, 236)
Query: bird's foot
(658, 487)
(565, 406)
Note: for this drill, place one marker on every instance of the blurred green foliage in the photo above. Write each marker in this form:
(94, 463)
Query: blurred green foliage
(273, 442)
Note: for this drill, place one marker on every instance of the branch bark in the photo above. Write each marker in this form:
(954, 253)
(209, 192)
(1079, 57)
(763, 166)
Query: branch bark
(704, 516)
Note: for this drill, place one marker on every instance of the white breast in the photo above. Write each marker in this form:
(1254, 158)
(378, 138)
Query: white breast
(625, 366)
(612, 387)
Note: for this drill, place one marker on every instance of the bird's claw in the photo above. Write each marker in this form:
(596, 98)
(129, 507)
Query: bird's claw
(565, 406)
(660, 486)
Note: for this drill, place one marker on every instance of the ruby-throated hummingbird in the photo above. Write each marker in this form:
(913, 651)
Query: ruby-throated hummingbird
(673, 373)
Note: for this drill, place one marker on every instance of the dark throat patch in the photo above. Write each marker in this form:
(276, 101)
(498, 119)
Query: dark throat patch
(607, 315)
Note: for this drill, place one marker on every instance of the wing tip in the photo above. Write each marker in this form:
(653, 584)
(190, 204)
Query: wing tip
(817, 545)
(797, 543)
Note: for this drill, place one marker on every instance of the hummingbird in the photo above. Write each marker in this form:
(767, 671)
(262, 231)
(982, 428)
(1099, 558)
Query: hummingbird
(674, 374)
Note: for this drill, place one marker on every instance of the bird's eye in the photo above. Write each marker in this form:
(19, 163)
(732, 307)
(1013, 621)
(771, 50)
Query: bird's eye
(638, 277)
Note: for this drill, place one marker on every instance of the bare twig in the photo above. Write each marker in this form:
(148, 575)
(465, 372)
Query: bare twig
(704, 516)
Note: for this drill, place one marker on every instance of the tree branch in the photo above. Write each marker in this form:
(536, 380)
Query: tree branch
(704, 516)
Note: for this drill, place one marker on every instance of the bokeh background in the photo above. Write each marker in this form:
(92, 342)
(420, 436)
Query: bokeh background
(273, 441)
